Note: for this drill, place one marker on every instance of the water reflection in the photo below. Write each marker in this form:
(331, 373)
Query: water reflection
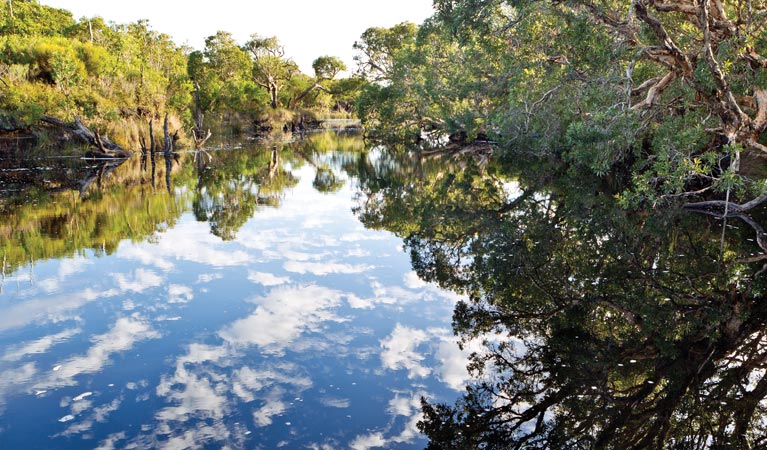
(600, 327)
(246, 307)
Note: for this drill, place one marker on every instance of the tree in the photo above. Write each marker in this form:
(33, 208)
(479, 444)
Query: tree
(222, 73)
(672, 92)
(109, 74)
(325, 69)
(379, 49)
(426, 83)
(270, 69)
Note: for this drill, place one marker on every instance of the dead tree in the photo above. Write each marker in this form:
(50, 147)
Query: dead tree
(199, 117)
(168, 147)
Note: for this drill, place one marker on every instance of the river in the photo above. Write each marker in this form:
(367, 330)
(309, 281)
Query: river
(326, 294)
(237, 303)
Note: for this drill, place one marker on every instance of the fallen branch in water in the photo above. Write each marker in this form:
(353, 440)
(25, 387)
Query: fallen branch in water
(106, 148)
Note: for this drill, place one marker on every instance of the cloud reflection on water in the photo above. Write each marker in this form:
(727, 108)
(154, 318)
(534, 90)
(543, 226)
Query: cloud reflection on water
(285, 312)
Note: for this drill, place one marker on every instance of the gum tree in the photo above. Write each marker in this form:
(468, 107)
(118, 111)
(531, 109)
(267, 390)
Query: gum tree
(271, 70)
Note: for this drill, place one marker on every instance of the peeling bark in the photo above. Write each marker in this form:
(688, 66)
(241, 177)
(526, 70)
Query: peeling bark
(655, 90)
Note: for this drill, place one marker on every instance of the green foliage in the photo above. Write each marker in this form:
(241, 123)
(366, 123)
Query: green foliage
(271, 70)
(51, 64)
(94, 207)
(32, 19)
(584, 81)
(62, 67)
(222, 75)
(379, 50)
(601, 141)
(327, 67)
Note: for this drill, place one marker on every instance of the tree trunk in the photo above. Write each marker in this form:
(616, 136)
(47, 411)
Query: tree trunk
(273, 94)
(199, 117)
(296, 99)
(168, 147)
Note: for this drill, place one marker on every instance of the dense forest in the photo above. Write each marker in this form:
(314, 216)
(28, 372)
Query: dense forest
(672, 93)
(117, 76)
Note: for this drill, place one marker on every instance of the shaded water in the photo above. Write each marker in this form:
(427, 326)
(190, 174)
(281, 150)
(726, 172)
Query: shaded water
(241, 305)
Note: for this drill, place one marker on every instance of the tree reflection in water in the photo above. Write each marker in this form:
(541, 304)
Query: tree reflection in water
(603, 328)
(233, 184)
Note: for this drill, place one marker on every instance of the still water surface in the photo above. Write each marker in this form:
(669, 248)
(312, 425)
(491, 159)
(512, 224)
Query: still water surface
(243, 305)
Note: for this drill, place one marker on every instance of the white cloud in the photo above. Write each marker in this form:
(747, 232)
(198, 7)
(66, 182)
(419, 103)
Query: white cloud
(208, 277)
(50, 308)
(111, 441)
(179, 294)
(99, 414)
(402, 406)
(358, 252)
(315, 222)
(248, 382)
(40, 345)
(360, 303)
(71, 266)
(273, 406)
(194, 395)
(373, 440)
(335, 402)
(13, 378)
(284, 252)
(146, 255)
(191, 437)
(407, 406)
(49, 285)
(326, 268)
(413, 281)
(400, 351)
(267, 279)
(142, 280)
(67, 268)
(282, 316)
(364, 236)
(125, 333)
(206, 248)
(453, 361)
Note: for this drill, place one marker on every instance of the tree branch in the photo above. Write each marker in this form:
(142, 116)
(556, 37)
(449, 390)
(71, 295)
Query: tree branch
(654, 91)
(726, 92)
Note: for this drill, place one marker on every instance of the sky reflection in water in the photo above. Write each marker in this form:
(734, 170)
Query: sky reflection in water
(306, 330)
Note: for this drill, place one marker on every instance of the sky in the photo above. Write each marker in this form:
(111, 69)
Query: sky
(307, 28)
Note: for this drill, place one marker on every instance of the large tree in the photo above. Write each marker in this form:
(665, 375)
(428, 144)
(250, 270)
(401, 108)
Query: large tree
(325, 69)
(222, 74)
(271, 70)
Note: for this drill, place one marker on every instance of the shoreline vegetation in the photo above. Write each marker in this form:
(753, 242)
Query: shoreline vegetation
(113, 78)
(672, 99)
